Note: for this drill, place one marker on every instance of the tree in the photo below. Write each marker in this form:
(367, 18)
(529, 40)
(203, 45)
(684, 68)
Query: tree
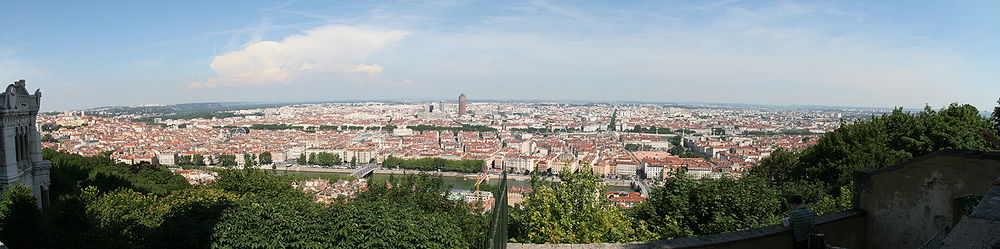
(823, 172)
(995, 118)
(198, 160)
(354, 160)
(684, 206)
(573, 211)
(227, 160)
(778, 168)
(302, 159)
(392, 162)
(248, 160)
(613, 124)
(182, 160)
(265, 157)
(20, 219)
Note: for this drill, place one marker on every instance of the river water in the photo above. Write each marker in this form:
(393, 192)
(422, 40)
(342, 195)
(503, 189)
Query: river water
(457, 183)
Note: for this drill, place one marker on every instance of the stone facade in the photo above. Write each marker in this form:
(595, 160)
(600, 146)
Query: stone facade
(21, 154)
(910, 203)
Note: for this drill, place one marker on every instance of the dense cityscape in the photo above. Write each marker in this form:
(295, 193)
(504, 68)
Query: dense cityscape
(525, 136)
(540, 124)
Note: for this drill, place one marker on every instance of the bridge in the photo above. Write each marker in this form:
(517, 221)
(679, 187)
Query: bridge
(364, 170)
(642, 186)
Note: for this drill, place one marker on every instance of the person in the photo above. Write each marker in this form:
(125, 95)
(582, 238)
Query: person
(801, 220)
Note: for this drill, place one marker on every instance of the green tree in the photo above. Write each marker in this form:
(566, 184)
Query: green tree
(354, 161)
(823, 172)
(684, 206)
(573, 211)
(614, 122)
(20, 218)
(779, 167)
(182, 160)
(995, 118)
(249, 160)
(227, 160)
(265, 157)
(198, 160)
(302, 159)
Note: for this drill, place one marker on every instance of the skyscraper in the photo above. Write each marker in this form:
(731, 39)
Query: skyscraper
(462, 106)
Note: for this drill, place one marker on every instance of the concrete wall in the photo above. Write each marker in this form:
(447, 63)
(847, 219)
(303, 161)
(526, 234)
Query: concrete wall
(909, 203)
(844, 229)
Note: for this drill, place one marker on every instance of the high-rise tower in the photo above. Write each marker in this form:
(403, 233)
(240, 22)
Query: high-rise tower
(20, 143)
(462, 106)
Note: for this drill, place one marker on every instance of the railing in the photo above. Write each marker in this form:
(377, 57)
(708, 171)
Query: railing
(935, 242)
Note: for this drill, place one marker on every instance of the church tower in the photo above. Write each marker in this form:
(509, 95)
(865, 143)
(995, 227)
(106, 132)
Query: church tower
(20, 143)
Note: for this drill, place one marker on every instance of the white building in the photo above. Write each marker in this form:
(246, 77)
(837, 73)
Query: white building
(22, 149)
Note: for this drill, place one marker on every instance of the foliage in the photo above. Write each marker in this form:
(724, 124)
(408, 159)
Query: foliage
(409, 212)
(265, 157)
(275, 127)
(573, 211)
(227, 160)
(20, 225)
(198, 160)
(684, 206)
(638, 147)
(464, 127)
(435, 164)
(652, 129)
(995, 118)
(877, 143)
(827, 204)
(326, 159)
(70, 173)
(243, 208)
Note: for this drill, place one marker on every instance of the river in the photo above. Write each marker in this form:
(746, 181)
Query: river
(456, 182)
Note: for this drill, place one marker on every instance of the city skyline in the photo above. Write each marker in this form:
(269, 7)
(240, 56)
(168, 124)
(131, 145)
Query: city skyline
(803, 53)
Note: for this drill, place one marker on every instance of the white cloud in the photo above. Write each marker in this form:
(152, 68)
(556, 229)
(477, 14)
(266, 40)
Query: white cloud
(370, 70)
(333, 50)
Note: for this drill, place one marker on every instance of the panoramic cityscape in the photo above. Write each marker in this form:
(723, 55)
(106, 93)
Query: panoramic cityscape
(473, 124)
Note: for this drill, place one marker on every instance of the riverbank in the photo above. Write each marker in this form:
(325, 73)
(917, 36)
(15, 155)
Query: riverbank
(401, 172)
(516, 177)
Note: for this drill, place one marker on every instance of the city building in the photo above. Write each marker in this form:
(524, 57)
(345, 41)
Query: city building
(463, 107)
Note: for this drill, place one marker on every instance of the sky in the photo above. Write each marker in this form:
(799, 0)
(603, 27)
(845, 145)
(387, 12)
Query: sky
(85, 54)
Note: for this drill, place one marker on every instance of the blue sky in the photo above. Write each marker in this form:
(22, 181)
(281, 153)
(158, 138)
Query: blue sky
(849, 53)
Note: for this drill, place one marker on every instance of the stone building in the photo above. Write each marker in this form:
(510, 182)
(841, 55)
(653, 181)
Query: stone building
(21, 153)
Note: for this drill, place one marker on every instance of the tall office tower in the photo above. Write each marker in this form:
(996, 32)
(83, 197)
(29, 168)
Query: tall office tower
(430, 108)
(441, 107)
(20, 143)
(462, 106)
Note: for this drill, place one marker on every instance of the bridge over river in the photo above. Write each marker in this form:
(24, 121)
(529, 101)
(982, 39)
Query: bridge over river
(364, 170)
